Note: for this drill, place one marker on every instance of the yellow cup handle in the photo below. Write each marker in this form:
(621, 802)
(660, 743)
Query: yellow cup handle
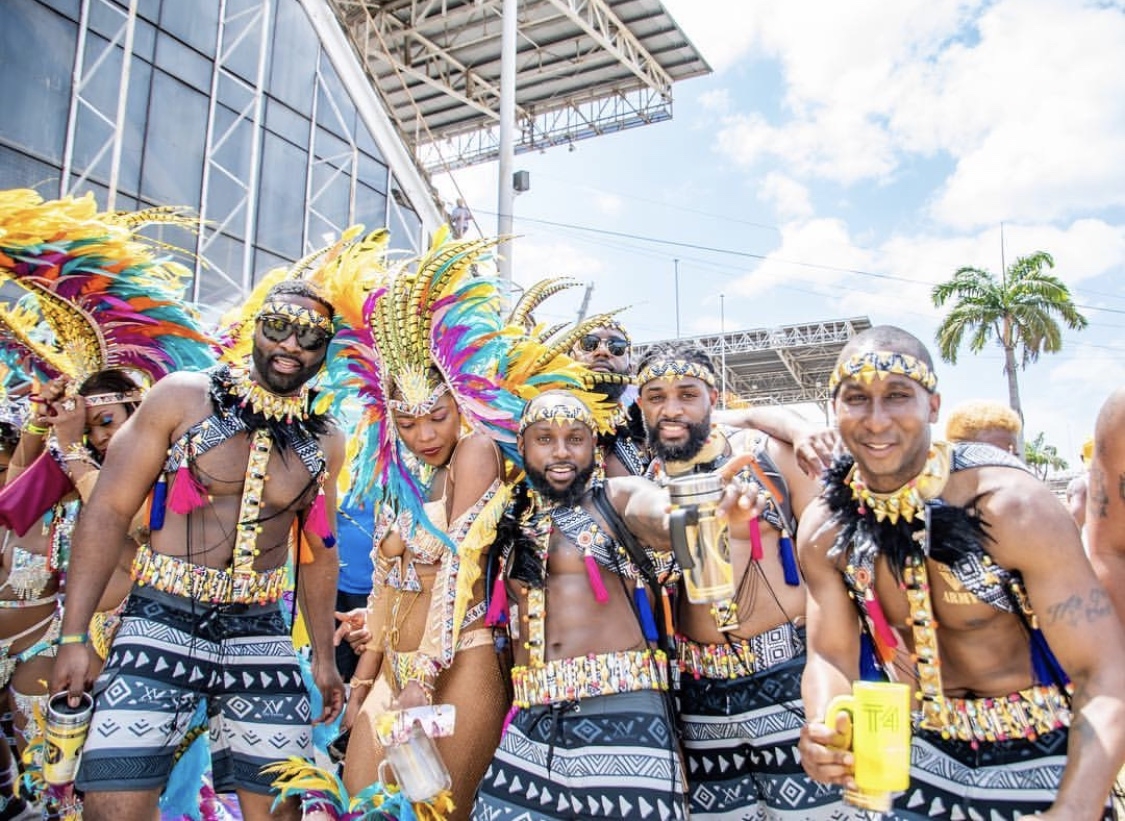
(841, 704)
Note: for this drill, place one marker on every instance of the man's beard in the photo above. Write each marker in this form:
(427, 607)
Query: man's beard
(697, 436)
(612, 391)
(569, 496)
(281, 383)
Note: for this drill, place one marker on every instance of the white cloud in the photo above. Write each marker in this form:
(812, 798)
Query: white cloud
(789, 197)
(608, 204)
(1033, 121)
(717, 100)
(721, 30)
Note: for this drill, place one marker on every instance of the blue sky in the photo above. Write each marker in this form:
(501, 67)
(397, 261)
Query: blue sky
(843, 158)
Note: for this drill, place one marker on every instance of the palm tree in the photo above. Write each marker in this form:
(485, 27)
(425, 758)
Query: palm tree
(1019, 309)
(1041, 457)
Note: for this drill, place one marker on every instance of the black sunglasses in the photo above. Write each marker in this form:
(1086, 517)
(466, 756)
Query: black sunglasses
(278, 329)
(615, 345)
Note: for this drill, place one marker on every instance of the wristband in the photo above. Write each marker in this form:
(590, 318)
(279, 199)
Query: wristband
(35, 430)
(73, 638)
(361, 682)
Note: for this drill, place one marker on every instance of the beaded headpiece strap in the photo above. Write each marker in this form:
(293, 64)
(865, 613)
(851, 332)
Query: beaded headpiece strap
(868, 365)
(418, 390)
(298, 313)
(560, 414)
(99, 399)
(670, 370)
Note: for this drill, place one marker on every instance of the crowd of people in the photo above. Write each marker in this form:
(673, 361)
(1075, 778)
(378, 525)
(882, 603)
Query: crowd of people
(382, 546)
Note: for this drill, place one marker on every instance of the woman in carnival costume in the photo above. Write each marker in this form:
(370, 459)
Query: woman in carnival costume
(103, 311)
(442, 378)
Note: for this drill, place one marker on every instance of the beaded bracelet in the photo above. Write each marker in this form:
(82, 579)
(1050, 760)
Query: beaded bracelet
(73, 638)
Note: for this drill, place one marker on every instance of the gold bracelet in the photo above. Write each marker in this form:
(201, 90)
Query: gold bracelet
(361, 682)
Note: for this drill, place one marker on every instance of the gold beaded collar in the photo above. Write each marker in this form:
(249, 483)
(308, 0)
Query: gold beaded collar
(270, 405)
(910, 499)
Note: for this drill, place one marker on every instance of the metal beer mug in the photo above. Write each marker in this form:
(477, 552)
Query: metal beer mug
(64, 735)
(699, 537)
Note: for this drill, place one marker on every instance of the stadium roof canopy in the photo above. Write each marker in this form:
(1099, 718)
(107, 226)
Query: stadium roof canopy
(584, 68)
(786, 365)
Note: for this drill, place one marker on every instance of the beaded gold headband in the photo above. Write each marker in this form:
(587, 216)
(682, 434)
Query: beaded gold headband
(607, 321)
(419, 390)
(870, 364)
(98, 399)
(298, 313)
(559, 415)
(673, 369)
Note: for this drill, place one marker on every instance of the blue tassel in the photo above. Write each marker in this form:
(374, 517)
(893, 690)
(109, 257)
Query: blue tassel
(1043, 662)
(869, 667)
(788, 560)
(644, 611)
(159, 500)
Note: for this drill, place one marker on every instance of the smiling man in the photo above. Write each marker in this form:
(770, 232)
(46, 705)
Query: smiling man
(947, 549)
(739, 659)
(592, 729)
(245, 457)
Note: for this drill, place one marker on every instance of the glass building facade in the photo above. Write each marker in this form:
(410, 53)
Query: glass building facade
(254, 114)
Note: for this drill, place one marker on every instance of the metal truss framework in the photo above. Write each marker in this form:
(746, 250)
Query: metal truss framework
(582, 70)
(85, 112)
(238, 31)
(787, 365)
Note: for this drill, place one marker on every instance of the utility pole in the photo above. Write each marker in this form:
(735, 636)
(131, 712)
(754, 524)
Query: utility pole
(676, 262)
(585, 306)
(723, 348)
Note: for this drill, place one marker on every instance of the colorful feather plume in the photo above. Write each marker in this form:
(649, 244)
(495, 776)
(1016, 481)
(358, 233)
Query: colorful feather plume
(322, 791)
(108, 298)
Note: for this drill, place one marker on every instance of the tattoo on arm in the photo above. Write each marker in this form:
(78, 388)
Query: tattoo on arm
(1099, 494)
(1076, 609)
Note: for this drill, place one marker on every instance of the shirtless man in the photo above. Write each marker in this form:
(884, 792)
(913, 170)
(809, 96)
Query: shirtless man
(946, 549)
(204, 618)
(592, 732)
(740, 659)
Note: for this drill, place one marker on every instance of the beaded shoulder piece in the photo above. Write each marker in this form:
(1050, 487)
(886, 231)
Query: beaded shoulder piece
(228, 419)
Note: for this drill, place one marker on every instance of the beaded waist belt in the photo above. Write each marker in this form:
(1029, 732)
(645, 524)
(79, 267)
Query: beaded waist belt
(178, 577)
(1027, 714)
(739, 658)
(587, 676)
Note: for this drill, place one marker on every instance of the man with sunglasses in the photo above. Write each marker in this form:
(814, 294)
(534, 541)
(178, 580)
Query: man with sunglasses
(605, 351)
(237, 456)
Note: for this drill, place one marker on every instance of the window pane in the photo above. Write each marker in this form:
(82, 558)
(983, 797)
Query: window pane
(181, 62)
(39, 81)
(244, 27)
(18, 170)
(284, 121)
(370, 207)
(173, 166)
(196, 24)
(281, 205)
(293, 57)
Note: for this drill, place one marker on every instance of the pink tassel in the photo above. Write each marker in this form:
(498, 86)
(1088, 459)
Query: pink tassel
(885, 638)
(756, 552)
(595, 577)
(316, 522)
(508, 719)
(498, 606)
(186, 493)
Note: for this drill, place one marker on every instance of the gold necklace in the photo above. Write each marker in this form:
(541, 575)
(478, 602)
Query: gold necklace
(270, 405)
(909, 500)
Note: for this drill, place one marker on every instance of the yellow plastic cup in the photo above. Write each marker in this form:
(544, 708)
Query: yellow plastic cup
(879, 739)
